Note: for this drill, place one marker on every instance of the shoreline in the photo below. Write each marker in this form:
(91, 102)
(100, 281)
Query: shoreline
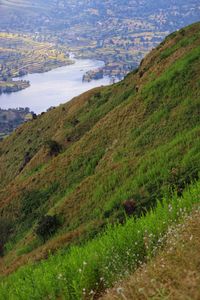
(17, 84)
(54, 87)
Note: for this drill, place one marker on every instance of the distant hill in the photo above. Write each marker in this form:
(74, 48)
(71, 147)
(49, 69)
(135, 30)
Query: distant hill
(25, 5)
(136, 141)
(98, 11)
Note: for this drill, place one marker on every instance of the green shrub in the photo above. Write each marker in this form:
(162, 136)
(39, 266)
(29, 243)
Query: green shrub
(54, 148)
(34, 202)
(130, 207)
(47, 226)
(5, 231)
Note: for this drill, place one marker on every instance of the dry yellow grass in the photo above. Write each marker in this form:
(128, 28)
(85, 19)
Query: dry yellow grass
(174, 274)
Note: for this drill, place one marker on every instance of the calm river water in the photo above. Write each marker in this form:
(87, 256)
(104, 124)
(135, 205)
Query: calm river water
(54, 87)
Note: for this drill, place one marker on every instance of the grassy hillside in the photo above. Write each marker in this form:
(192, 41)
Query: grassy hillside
(137, 140)
(173, 274)
(85, 272)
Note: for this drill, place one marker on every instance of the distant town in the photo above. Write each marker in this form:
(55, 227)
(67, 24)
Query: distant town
(117, 32)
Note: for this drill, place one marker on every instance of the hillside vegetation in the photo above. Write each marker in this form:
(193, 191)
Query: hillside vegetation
(173, 274)
(111, 152)
(85, 272)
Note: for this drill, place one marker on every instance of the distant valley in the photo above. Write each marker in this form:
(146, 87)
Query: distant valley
(118, 32)
(21, 55)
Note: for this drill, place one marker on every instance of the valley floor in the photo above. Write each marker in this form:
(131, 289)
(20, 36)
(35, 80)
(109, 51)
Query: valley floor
(174, 274)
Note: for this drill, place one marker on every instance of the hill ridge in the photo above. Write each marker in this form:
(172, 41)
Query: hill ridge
(135, 140)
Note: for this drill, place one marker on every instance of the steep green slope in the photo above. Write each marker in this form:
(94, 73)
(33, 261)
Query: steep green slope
(84, 272)
(138, 139)
(173, 274)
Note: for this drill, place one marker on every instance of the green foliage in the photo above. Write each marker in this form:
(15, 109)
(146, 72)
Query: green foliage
(173, 83)
(53, 147)
(29, 247)
(33, 203)
(183, 42)
(97, 265)
(5, 232)
(47, 226)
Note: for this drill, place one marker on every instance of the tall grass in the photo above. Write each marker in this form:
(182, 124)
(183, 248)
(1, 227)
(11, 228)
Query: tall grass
(118, 143)
(84, 271)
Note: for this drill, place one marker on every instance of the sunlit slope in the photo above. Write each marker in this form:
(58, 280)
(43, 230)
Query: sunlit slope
(138, 139)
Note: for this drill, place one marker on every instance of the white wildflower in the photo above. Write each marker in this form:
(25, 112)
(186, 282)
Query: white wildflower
(120, 290)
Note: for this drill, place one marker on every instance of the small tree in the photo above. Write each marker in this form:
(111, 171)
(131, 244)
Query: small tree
(53, 147)
(47, 226)
(5, 231)
(130, 207)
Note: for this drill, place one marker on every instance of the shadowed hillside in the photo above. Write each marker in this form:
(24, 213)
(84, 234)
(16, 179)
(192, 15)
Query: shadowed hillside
(110, 151)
